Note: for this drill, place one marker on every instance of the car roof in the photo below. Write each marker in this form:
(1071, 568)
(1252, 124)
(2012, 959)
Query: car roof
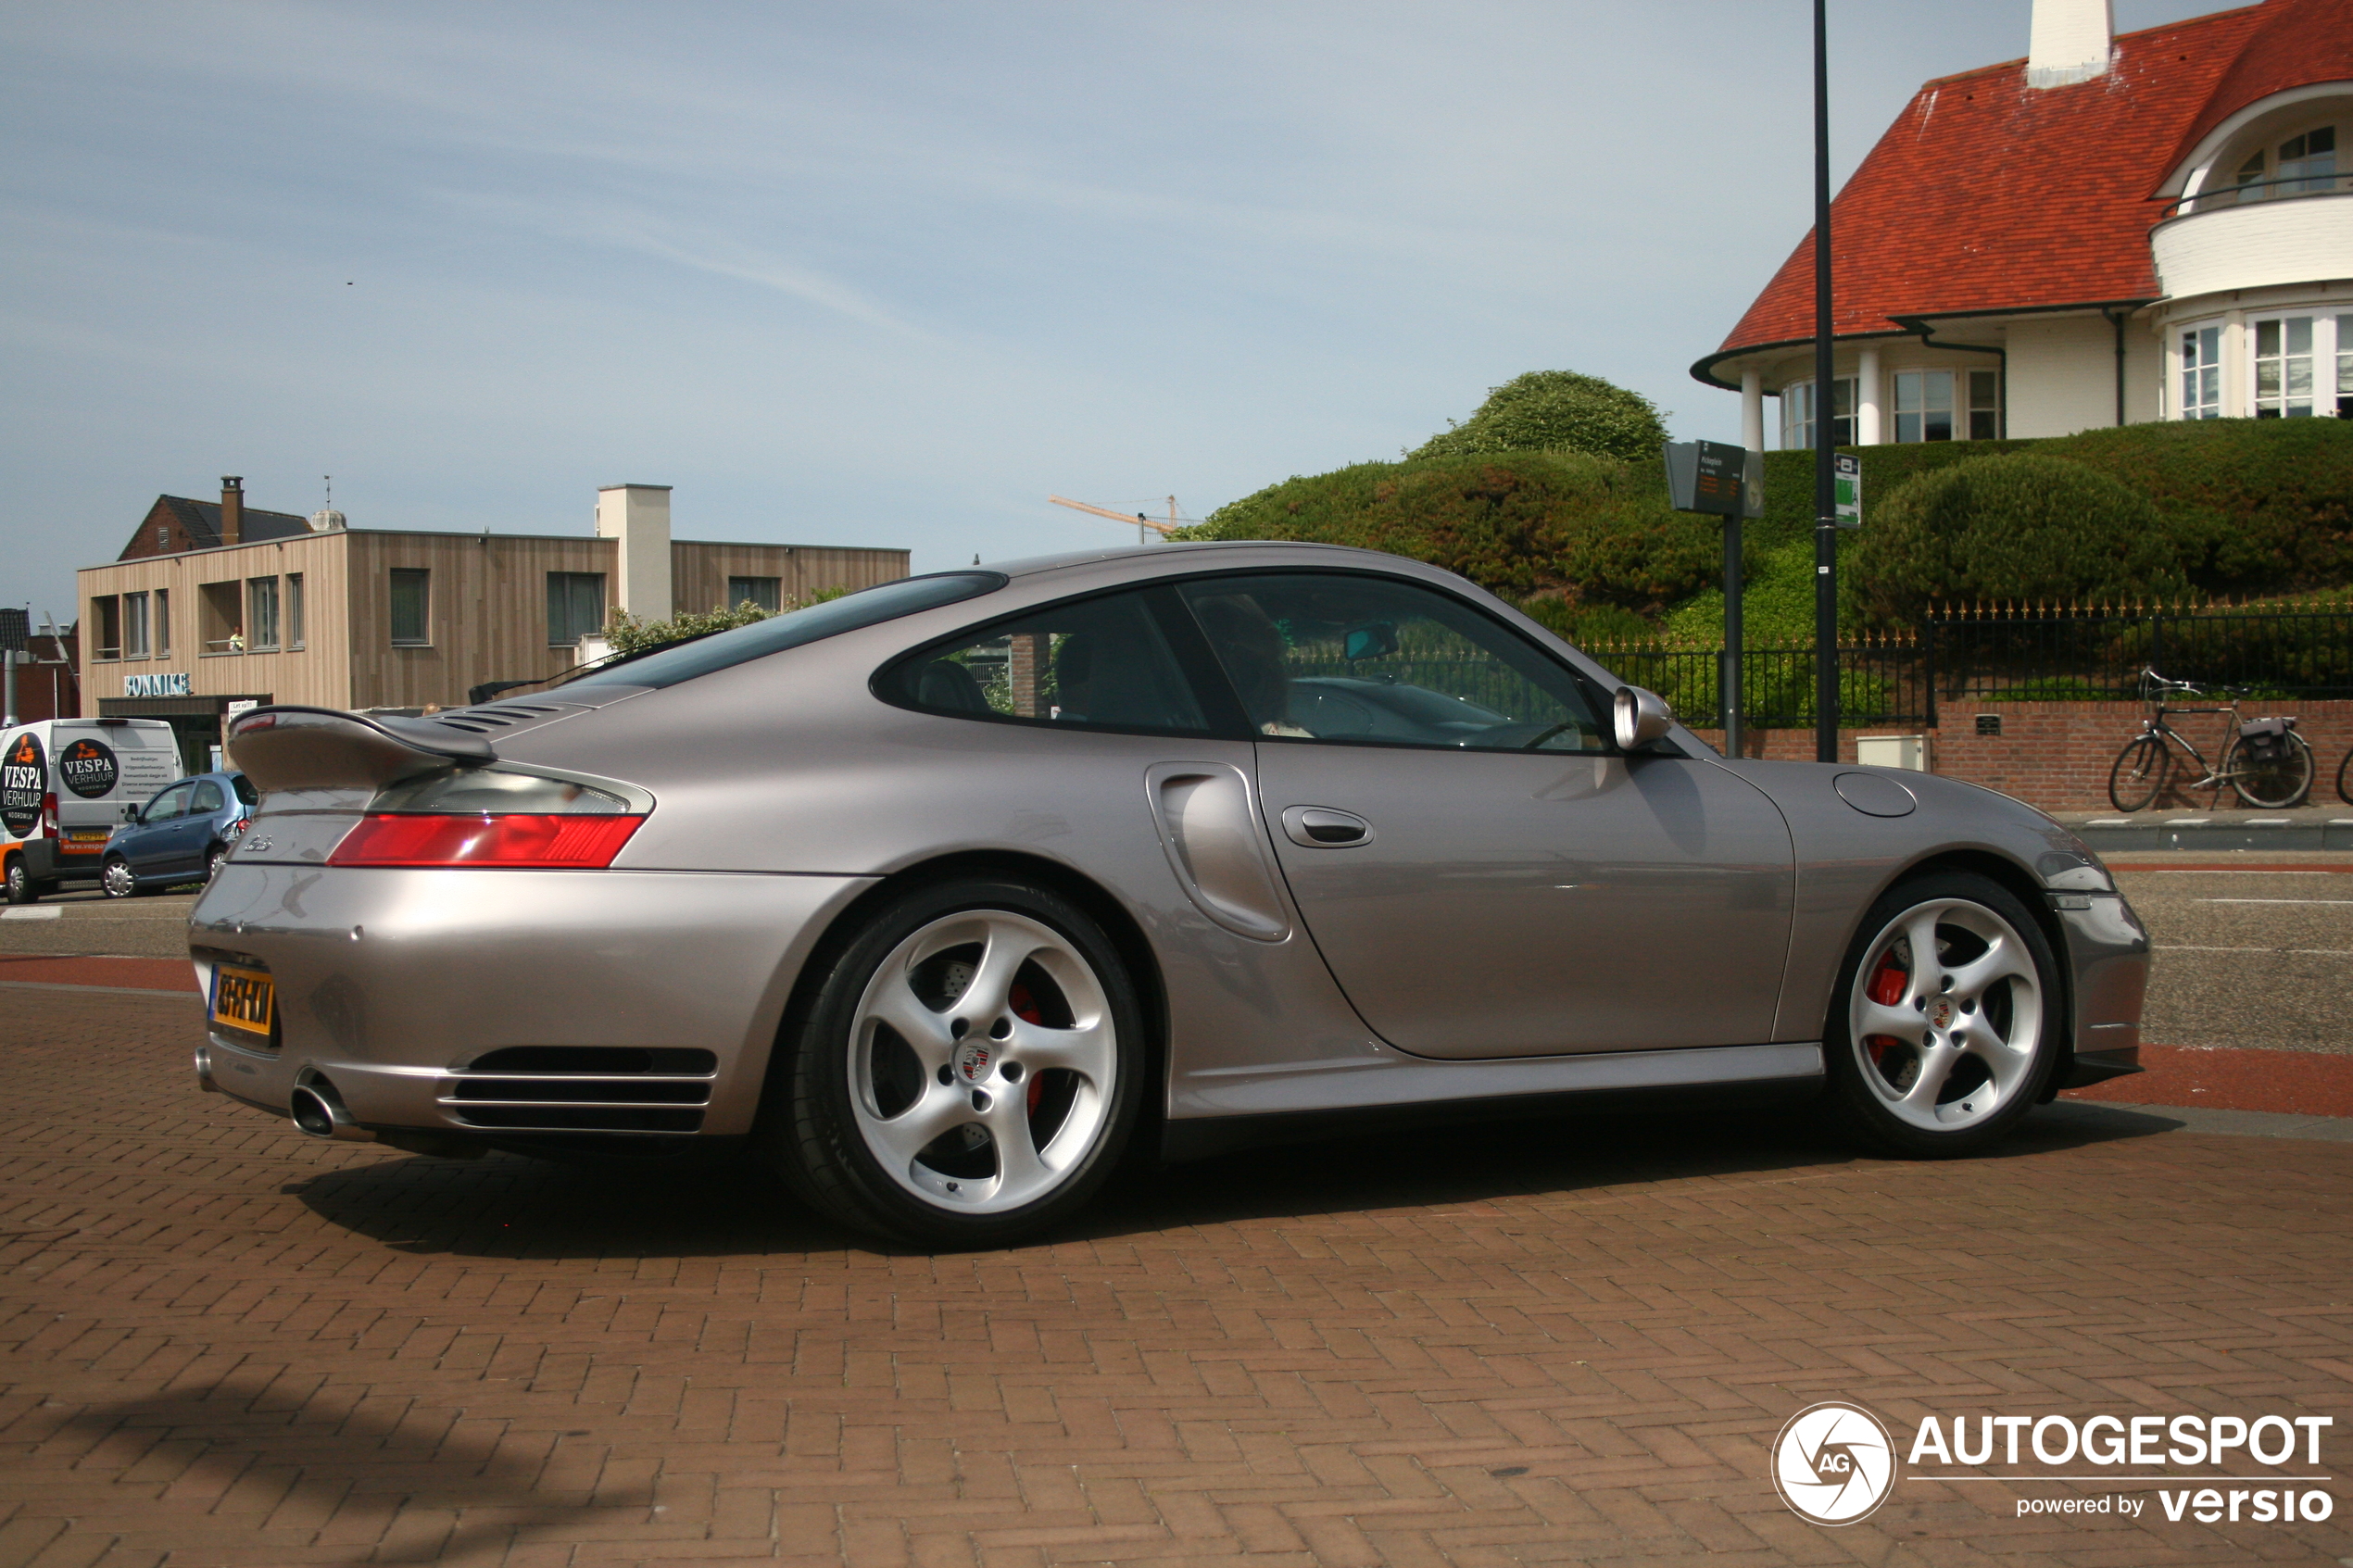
(1029, 566)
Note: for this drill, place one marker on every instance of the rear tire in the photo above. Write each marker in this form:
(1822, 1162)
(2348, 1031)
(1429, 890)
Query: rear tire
(965, 1071)
(2139, 774)
(1932, 1058)
(2275, 786)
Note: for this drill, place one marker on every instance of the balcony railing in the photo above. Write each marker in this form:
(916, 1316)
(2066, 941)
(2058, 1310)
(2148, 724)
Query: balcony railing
(2220, 196)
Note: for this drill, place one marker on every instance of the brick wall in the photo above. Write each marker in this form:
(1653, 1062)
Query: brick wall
(2056, 755)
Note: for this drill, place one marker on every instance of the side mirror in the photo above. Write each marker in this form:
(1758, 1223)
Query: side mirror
(1375, 639)
(1641, 717)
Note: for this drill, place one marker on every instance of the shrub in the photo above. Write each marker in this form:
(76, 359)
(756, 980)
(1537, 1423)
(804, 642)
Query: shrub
(2020, 525)
(1555, 411)
(1580, 529)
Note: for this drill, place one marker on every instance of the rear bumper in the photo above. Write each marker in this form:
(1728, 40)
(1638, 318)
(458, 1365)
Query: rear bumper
(391, 984)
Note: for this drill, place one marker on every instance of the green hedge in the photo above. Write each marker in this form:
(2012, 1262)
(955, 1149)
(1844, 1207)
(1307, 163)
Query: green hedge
(2240, 507)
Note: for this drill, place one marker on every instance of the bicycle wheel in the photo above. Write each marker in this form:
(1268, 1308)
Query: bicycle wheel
(2274, 783)
(2344, 779)
(2139, 774)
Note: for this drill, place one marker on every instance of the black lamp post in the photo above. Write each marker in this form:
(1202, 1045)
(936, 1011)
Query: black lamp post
(1825, 426)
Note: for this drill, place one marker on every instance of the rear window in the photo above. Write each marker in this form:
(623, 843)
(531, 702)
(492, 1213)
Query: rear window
(868, 607)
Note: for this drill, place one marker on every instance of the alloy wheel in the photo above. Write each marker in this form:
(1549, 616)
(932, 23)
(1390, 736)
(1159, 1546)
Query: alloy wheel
(1946, 1015)
(984, 1061)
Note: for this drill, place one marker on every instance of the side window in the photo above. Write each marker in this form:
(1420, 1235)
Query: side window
(1368, 659)
(244, 787)
(172, 802)
(1100, 663)
(209, 798)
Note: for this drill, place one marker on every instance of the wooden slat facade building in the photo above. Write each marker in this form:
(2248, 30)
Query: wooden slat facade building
(188, 623)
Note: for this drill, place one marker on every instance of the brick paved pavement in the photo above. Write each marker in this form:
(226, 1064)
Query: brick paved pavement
(1567, 1343)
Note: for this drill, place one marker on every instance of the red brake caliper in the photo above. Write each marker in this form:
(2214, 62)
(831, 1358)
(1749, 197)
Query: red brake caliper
(1887, 986)
(1025, 1008)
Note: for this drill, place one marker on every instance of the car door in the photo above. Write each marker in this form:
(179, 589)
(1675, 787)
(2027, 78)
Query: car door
(1490, 877)
(205, 812)
(154, 847)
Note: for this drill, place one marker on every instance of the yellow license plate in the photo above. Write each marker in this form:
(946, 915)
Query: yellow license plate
(88, 835)
(241, 998)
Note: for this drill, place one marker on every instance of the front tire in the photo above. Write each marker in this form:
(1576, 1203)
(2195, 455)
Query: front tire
(22, 889)
(1944, 1026)
(118, 879)
(2273, 786)
(966, 1071)
(2139, 773)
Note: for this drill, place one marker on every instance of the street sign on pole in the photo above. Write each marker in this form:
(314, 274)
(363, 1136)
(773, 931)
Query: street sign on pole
(1717, 479)
(1714, 477)
(1846, 476)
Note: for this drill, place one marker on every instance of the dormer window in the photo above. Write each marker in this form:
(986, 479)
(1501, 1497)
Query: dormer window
(2250, 177)
(2305, 165)
(2308, 163)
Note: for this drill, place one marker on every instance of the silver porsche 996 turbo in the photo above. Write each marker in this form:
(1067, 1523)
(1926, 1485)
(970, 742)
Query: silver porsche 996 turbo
(945, 896)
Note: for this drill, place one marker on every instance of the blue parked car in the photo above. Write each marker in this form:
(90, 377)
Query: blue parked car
(181, 835)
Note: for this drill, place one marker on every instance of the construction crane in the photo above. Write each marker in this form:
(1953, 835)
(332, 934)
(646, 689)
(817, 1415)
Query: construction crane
(1138, 518)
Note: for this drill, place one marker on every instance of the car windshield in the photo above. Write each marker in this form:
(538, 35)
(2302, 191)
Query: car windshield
(868, 607)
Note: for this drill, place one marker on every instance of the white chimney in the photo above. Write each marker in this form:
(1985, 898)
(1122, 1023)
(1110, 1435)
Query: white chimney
(2069, 42)
(638, 516)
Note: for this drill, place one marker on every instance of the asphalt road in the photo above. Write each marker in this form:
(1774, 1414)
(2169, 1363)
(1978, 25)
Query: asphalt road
(2261, 959)
(2254, 958)
(92, 923)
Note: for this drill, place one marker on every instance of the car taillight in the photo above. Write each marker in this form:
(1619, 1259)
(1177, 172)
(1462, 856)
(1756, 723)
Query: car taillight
(49, 815)
(511, 840)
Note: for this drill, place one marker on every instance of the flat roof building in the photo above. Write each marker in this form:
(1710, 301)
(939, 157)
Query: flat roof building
(213, 608)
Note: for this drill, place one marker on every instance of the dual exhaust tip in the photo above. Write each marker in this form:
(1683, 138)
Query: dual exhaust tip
(318, 1111)
(315, 1106)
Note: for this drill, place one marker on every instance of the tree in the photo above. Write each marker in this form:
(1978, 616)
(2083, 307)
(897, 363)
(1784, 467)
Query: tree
(1555, 411)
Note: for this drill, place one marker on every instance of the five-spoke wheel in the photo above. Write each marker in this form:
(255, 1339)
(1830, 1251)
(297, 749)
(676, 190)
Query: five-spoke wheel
(1943, 1035)
(966, 1070)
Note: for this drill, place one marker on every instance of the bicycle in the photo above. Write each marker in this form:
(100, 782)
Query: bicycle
(2264, 760)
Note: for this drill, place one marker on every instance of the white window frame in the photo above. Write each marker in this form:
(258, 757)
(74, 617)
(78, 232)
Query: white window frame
(2323, 361)
(2210, 338)
(1797, 412)
(1921, 385)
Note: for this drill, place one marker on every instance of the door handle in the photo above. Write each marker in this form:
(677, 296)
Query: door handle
(1323, 827)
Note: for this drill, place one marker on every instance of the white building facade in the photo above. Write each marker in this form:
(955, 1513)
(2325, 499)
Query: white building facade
(2114, 230)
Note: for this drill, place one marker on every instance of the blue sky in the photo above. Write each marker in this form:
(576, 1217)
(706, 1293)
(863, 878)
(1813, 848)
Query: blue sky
(877, 274)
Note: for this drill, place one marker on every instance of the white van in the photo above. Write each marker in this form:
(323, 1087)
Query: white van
(65, 785)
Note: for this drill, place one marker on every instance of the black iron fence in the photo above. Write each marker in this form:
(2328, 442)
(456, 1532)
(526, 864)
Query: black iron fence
(1982, 654)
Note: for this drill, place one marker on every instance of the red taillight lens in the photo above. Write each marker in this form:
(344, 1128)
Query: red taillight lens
(49, 815)
(514, 840)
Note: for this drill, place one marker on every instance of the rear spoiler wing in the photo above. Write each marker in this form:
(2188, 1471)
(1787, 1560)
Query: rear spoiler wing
(294, 747)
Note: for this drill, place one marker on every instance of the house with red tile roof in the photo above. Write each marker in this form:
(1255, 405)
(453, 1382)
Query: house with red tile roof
(2116, 229)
